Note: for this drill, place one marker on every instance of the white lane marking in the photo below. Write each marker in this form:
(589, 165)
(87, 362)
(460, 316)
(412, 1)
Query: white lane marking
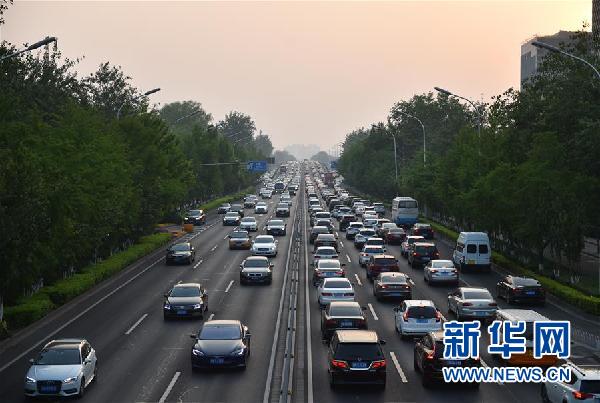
(212, 315)
(398, 367)
(357, 279)
(214, 248)
(336, 234)
(372, 311)
(136, 324)
(163, 398)
(198, 264)
(229, 286)
(348, 257)
(225, 237)
(76, 317)
(342, 244)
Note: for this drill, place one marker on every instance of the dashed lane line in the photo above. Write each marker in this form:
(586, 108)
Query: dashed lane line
(372, 311)
(136, 324)
(163, 398)
(398, 367)
(348, 257)
(229, 286)
(358, 279)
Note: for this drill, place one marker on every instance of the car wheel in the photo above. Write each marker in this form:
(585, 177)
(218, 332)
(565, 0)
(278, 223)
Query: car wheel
(81, 388)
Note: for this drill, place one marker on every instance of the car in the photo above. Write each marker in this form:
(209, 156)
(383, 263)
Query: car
(472, 303)
(256, 269)
(261, 208)
(221, 343)
(361, 237)
(63, 368)
(520, 289)
(326, 268)
(407, 243)
(345, 220)
(182, 252)
(249, 224)
(185, 300)
(417, 317)
(353, 228)
(340, 211)
(223, 208)
(250, 201)
(394, 236)
(424, 230)
(313, 203)
(584, 385)
(238, 208)
(429, 359)
(440, 271)
(392, 285)
(379, 209)
(334, 289)
(315, 232)
(282, 210)
(370, 222)
(365, 254)
(317, 216)
(325, 222)
(325, 240)
(231, 218)
(384, 227)
(264, 245)
(356, 357)
(287, 199)
(342, 315)
(359, 210)
(422, 253)
(375, 241)
(276, 227)
(196, 217)
(239, 240)
(266, 193)
(380, 264)
(325, 252)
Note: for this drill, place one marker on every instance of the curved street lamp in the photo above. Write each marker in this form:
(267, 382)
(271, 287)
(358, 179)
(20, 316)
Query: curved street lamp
(423, 128)
(554, 49)
(47, 40)
(152, 91)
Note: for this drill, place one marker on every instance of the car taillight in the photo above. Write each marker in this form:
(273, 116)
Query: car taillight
(438, 316)
(415, 254)
(340, 272)
(326, 294)
(378, 364)
(437, 254)
(339, 364)
(348, 294)
(433, 271)
(330, 322)
(431, 354)
(493, 304)
(581, 395)
(467, 304)
(383, 286)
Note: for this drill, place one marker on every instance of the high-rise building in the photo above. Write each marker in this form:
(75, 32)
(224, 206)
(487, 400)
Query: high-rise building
(596, 22)
(531, 56)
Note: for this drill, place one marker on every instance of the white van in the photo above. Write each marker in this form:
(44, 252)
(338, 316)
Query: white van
(472, 251)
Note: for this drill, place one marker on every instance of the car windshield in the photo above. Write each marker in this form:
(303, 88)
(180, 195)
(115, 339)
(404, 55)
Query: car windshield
(373, 250)
(231, 215)
(590, 386)
(444, 263)
(525, 282)
(353, 351)
(194, 212)
(282, 205)
(332, 264)
(220, 332)
(225, 205)
(337, 284)
(256, 263)
(239, 235)
(180, 247)
(375, 241)
(396, 231)
(367, 233)
(59, 356)
(413, 240)
(185, 292)
(386, 261)
(249, 219)
(263, 240)
(421, 312)
(425, 250)
(326, 251)
(276, 222)
(345, 310)
(236, 206)
(476, 294)
(393, 279)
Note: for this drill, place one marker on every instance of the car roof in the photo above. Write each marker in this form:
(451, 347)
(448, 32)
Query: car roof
(526, 315)
(344, 303)
(328, 280)
(325, 236)
(181, 243)
(325, 248)
(393, 274)
(64, 343)
(415, 237)
(424, 244)
(257, 258)
(384, 257)
(374, 238)
(217, 322)
(441, 261)
(473, 289)
(188, 285)
(357, 336)
(419, 302)
(590, 371)
(265, 237)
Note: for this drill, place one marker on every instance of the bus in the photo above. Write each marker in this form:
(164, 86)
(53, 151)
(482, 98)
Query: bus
(405, 211)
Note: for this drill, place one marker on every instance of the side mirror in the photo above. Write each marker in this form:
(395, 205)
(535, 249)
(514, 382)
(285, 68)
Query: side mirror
(193, 336)
(229, 236)
(248, 334)
(31, 361)
(271, 265)
(87, 361)
(343, 264)
(382, 342)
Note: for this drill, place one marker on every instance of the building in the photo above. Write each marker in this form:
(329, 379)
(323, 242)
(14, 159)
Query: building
(531, 56)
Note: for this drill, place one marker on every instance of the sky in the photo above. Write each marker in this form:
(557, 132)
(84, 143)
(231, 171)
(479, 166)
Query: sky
(307, 72)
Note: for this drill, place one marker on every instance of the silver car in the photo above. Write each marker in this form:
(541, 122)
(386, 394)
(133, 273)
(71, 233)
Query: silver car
(335, 289)
(440, 271)
(473, 303)
(64, 367)
(365, 255)
(264, 245)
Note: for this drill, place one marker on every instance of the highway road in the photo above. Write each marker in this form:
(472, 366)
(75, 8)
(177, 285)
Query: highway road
(142, 358)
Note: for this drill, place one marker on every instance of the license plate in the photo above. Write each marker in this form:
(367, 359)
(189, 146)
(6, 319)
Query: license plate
(217, 361)
(359, 364)
(454, 363)
(346, 323)
(328, 274)
(395, 294)
(480, 313)
(422, 320)
(181, 312)
(49, 389)
(426, 259)
(338, 295)
(530, 293)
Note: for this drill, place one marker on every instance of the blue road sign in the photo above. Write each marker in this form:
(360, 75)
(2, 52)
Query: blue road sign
(256, 166)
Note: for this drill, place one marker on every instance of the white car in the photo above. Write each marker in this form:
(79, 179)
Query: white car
(472, 303)
(286, 199)
(365, 255)
(264, 245)
(64, 367)
(584, 386)
(375, 241)
(249, 224)
(325, 252)
(335, 289)
(440, 271)
(261, 208)
(415, 317)
(409, 241)
(328, 268)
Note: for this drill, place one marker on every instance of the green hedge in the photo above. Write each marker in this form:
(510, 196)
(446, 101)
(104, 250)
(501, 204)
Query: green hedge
(587, 303)
(32, 308)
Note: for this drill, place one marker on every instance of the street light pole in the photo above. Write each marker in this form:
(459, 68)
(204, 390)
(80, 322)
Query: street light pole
(475, 108)
(45, 41)
(554, 49)
(423, 128)
(186, 116)
(395, 158)
(136, 98)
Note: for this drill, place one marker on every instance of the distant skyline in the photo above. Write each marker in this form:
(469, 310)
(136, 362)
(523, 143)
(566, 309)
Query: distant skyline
(307, 72)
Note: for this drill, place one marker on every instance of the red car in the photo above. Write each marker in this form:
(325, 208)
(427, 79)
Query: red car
(381, 264)
(395, 236)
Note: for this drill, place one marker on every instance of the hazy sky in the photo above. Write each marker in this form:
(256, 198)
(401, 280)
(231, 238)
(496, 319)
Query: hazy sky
(307, 72)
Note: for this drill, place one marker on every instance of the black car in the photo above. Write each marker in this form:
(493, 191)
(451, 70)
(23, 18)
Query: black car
(326, 240)
(221, 343)
(345, 220)
(238, 208)
(392, 285)
(521, 289)
(356, 357)
(342, 315)
(256, 269)
(182, 252)
(423, 230)
(196, 217)
(429, 358)
(422, 253)
(185, 300)
(223, 208)
(315, 232)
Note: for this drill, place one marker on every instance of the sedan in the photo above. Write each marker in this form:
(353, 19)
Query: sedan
(260, 208)
(256, 269)
(326, 268)
(342, 315)
(353, 228)
(361, 237)
(521, 289)
(325, 252)
(249, 224)
(365, 255)
(395, 236)
(440, 271)
(185, 300)
(223, 208)
(472, 302)
(237, 208)
(239, 240)
(392, 285)
(232, 218)
(264, 245)
(407, 243)
(64, 367)
(276, 227)
(182, 252)
(335, 289)
(196, 217)
(221, 343)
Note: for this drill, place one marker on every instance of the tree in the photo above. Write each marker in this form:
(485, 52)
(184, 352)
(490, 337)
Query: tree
(283, 156)
(237, 126)
(182, 117)
(263, 145)
(322, 157)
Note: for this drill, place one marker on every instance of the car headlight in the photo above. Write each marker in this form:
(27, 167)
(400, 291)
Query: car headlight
(238, 351)
(197, 306)
(29, 380)
(197, 352)
(167, 306)
(70, 380)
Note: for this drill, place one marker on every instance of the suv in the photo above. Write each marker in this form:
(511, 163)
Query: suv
(417, 317)
(583, 387)
(381, 264)
(342, 315)
(422, 253)
(315, 232)
(356, 356)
